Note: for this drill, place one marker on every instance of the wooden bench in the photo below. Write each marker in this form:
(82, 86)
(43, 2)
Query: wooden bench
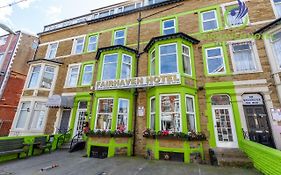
(42, 144)
(13, 146)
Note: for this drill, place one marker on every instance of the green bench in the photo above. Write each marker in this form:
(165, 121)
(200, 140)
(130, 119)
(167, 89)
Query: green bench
(41, 143)
(13, 146)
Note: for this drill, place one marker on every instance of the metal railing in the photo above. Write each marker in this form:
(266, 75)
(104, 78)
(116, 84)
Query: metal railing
(76, 139)
(262, 137)
(65, 136)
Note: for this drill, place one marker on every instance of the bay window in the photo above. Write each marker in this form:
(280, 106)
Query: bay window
(104, 114)
(170, 115)
(48, 76)
(215, 60)
(123, 115)
(169, 27)
(34, 77)
(209, 20)
(152, 113)
(52, 50)
(168, 59)
(73, 75)
(109, 67)
(78, 45)
(276, 45)
(152, 63)
(190, 113)
(277, 6)
(126, 66)
(87, 75)
(23, 114)
(119, 37)
(186, 60)
(39, 111)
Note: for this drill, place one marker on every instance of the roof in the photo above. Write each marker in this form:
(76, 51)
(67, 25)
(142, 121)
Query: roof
(104, 49)
(171, 36)
(44, 60)
(268, 26)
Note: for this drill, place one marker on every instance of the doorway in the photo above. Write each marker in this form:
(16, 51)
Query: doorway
(80, 118)
(64, 123)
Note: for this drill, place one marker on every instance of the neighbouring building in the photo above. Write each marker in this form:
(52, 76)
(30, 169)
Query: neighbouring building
(160, 76)
(15, 50)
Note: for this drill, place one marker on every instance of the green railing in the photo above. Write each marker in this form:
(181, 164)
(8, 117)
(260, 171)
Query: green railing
(265, 159)
(56, 143)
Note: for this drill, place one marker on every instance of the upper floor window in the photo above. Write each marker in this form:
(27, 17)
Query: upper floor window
(87, 75)
(126, 67)
(276, 43)
(168, 59)
(92, 43)
(34, 77)
(244, 57)
(186, 60)
(109, 67)
(169, 26)
(48, 76)
(119, 37)
(277, 6)
(3, 40)
(78, 45)
(72, 76)
(215, 60)
(209, 20)
(104, 114)
(152, 63)
(1, 59)
(52, 50)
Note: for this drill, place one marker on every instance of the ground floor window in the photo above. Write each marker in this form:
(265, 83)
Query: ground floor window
(152, 113)
(38, 115)
(104, 114)
(22, 116)
(123, 113)
(190, 113)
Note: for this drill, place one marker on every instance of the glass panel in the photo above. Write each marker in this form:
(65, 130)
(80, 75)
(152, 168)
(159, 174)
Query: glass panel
(92, 46)
(209, 21)
(170, 113)
(152, 113)
(209, 15)
(190, 114)
(48, 77)
(186, 60)
(87, 75)
(126, 66)
(223, 125)
(210, 25)
(109, 67)
(152, 63)
(220, 100)
(119, 41)
(38, 115)
(168, 59)
(79, 44)
(243, 57)
(73, 76)
(25, 107)
(34, 76)
(215, 61)
(232, 18)
(104, 115)
(123, 112)
(277, 51)
(52, 50)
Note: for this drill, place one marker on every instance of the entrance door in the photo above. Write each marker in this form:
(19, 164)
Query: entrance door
(64, 121)
(80, 118)
(224, 127)
(258, 125)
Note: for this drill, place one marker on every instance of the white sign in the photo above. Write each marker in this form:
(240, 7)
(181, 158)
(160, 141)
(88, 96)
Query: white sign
(276, 114)
(139, 82)
(141, 111)
(252, 99)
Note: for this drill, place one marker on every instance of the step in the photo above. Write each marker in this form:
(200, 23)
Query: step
(229, 152)
(235, 162)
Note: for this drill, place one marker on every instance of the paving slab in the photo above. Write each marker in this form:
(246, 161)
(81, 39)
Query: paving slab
(76, 164)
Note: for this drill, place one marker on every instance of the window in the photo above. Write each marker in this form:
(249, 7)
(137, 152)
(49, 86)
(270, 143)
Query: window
(276, 43)
(152, 63)
(3, 40)
(24, 109)
(209, 20)
(186, 60)
(129, 7)
(78, 45)
(215, 61)
(48, 76)
(220, 100)
(277, 5)
(168, 59)
(190, 113)
(104, 114)
(123, 113)
(170, 115)
(150, 2)
(119, 37)
(233, 19)
(72, 78)
(109, 67)
(169, 27)
(38, 115)
(126, 66)
(152, 113)
(1, 58)
(92, 45)
(52, 50)
(87, 75)
(34, 78)
(243, 57)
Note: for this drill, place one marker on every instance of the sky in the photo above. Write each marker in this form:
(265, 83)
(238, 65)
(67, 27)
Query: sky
(32, 15)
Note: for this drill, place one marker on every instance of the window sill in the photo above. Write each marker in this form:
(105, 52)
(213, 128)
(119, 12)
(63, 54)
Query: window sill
(34, 89)
(247, 72)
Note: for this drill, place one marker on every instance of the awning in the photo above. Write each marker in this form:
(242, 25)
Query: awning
(57, 101)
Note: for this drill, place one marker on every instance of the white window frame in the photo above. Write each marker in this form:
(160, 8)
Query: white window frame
(180, 112)
(177, 58)
(47, 56)
(19, 109)
(33, 116)
(152, 113)
(190, 62)
(116, 38)
(192, 113)
(1, 59)
(131, 70)
(2, 38)
(116, 65)
(274, 9)
(83, 73)
(151, 60)
(73, 51)
(96, 43)
(202, 20)
(163, 26)
(97, 113)
(128, 112)
(206, 56)
(66, 84)
(258, 67)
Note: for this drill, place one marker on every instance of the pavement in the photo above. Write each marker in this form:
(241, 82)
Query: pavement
(76, 164)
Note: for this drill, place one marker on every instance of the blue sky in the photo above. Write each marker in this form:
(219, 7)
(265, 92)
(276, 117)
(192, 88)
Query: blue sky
(31, 15)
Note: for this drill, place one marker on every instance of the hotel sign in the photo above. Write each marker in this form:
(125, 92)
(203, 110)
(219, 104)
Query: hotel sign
(139, 82)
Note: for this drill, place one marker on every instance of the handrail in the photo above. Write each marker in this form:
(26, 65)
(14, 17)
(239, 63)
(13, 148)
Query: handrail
(63, 136)
(80, 133)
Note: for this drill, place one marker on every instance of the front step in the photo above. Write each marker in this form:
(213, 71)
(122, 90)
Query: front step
(65, 145)
(230, 157)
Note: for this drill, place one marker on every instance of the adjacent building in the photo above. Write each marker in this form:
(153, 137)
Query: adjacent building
(15, 50)
(145, 75)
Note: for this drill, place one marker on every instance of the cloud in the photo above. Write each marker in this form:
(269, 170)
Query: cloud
(26, 4)
(53, 13)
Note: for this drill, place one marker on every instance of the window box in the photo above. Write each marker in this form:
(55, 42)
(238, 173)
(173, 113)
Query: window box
(122, 134)
(116, 133)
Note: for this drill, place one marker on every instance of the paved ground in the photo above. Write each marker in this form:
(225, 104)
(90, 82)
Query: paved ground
(76, 164)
